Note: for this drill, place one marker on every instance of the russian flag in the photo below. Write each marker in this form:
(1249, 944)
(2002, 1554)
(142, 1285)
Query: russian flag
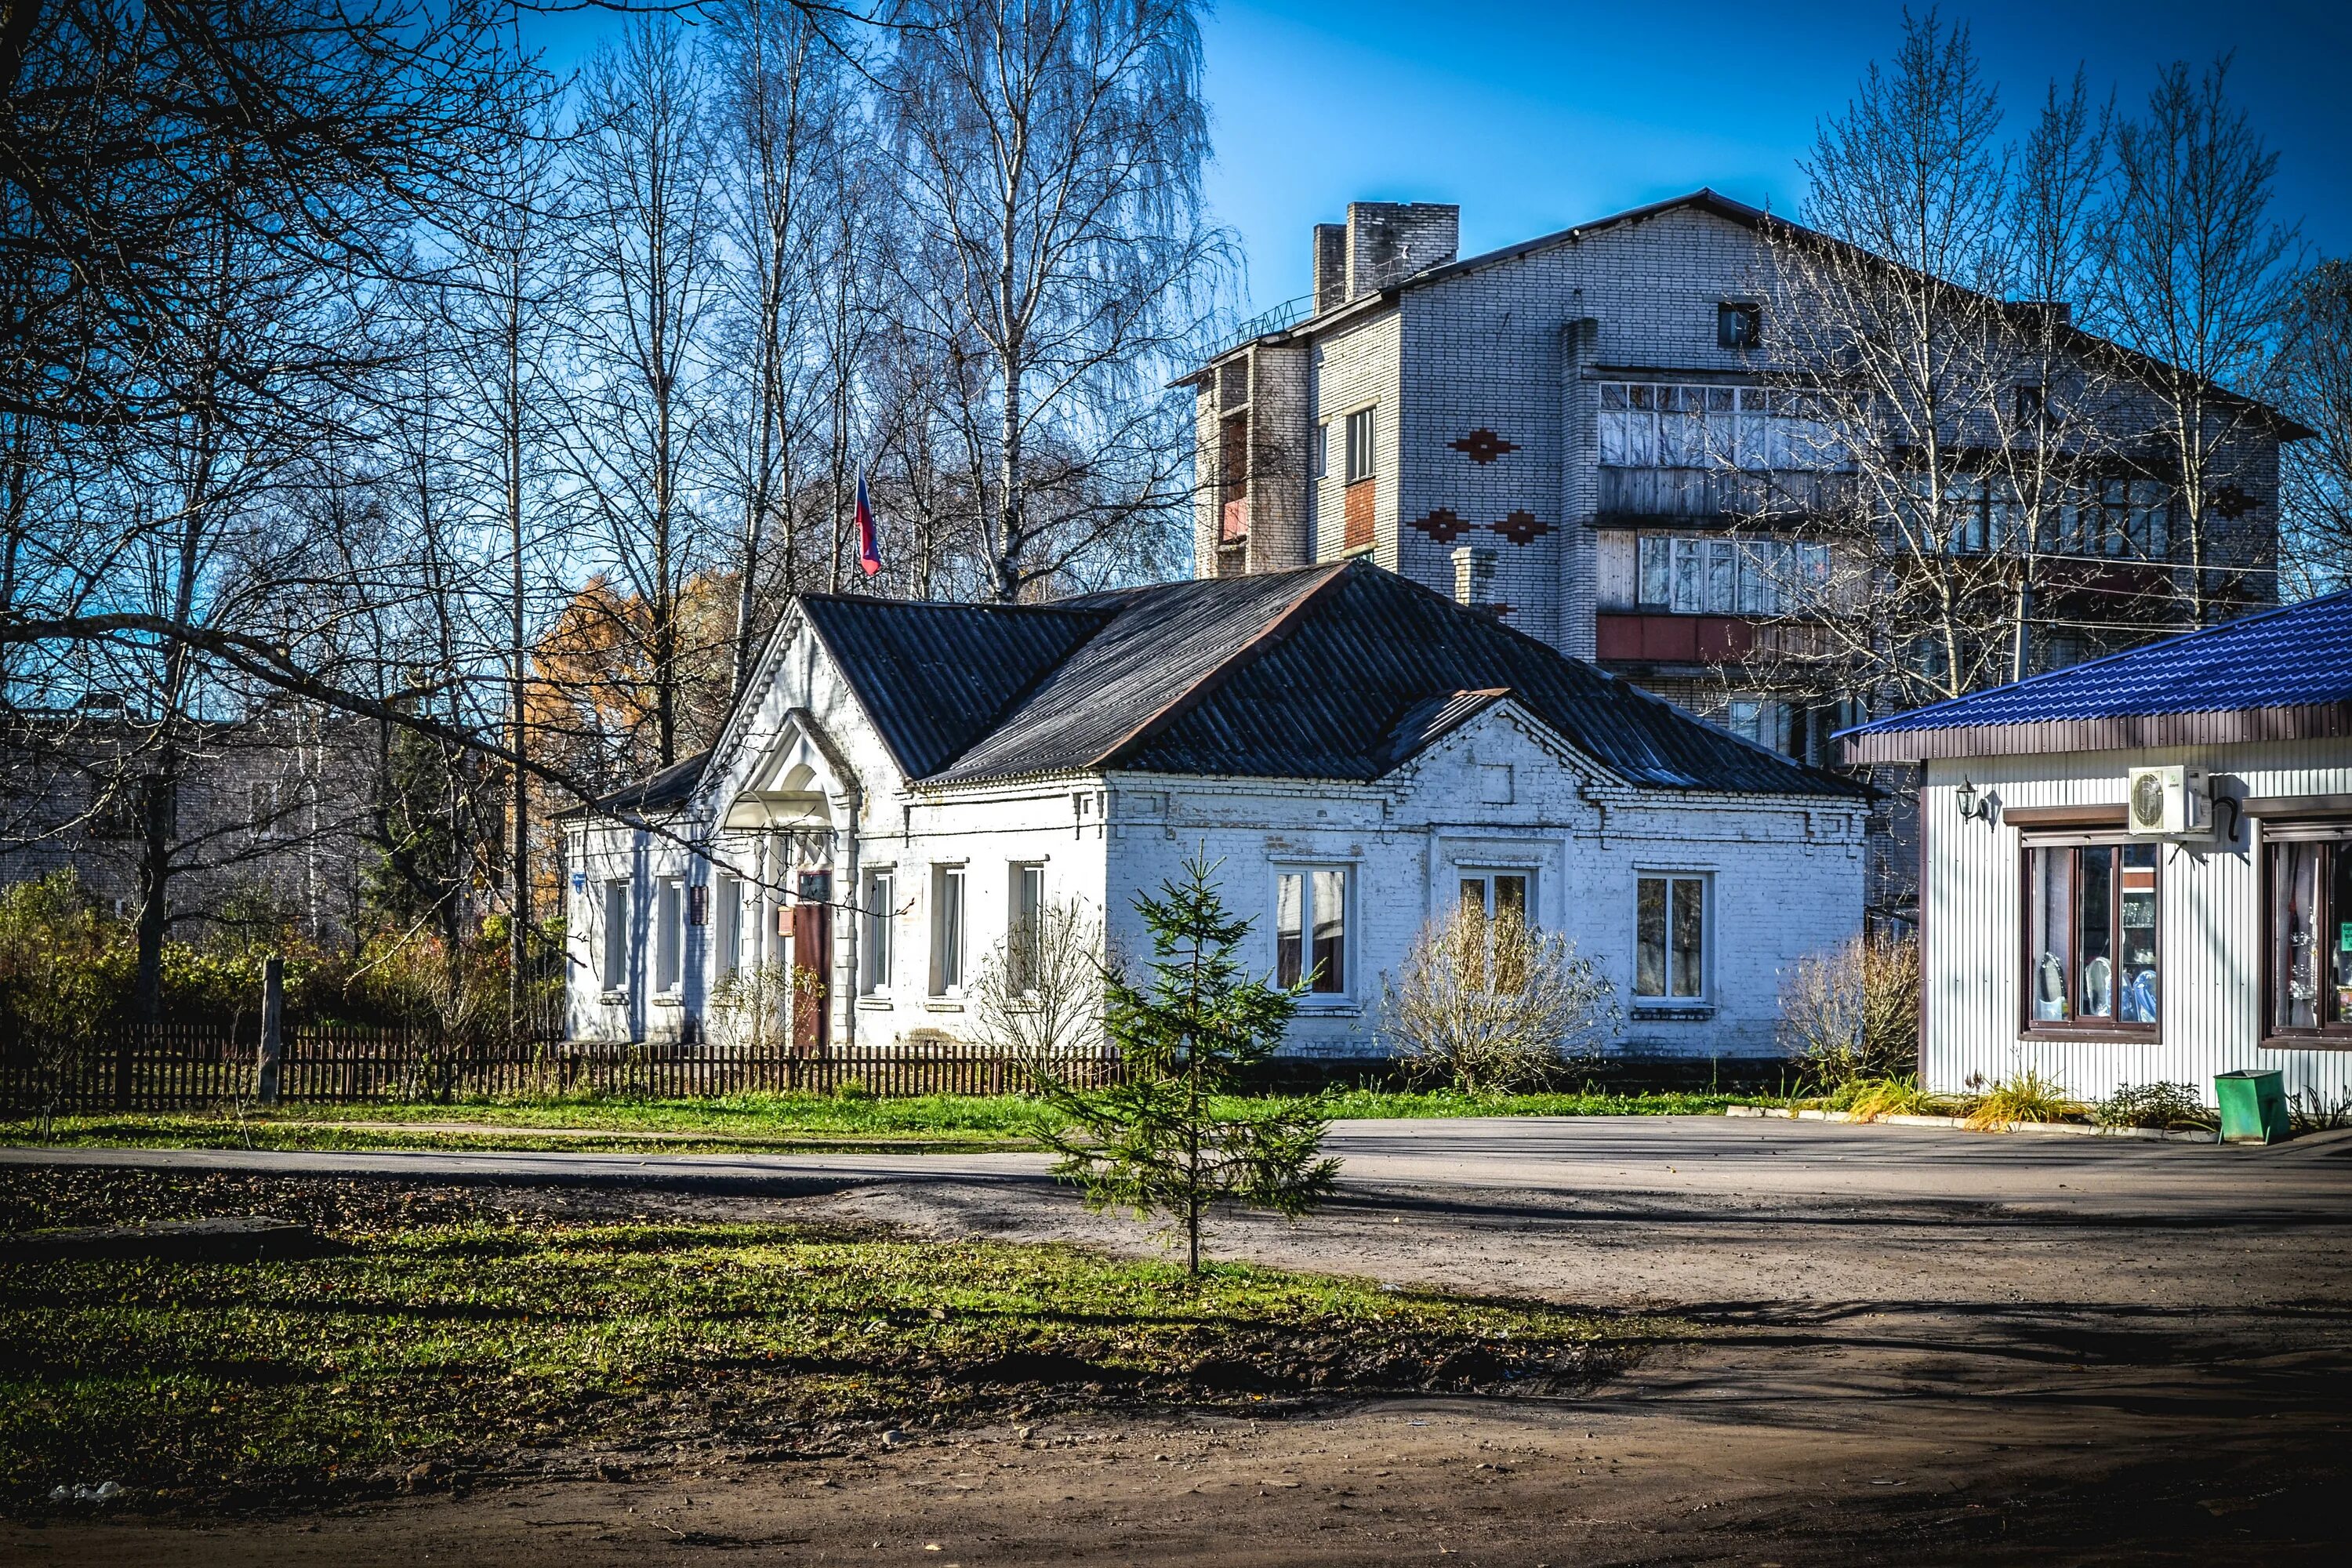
(869, 547)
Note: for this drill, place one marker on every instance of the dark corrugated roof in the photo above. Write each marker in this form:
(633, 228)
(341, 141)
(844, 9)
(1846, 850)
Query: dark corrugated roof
(2292, 657)
(1428, 722)
(1313, 673)
(672, 786)
(936, 677)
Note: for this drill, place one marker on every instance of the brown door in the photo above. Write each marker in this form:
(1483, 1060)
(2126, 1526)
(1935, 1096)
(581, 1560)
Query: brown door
(812, 960)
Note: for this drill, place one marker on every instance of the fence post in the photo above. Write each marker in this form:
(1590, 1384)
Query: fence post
(273, 1008)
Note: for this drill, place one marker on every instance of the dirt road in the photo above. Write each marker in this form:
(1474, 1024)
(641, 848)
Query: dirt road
(1925, 1347)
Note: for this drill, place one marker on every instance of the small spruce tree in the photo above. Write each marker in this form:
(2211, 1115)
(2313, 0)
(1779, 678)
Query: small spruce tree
(1155, 1142)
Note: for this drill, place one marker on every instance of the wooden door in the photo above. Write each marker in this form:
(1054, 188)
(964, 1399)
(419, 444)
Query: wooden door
(812, 963)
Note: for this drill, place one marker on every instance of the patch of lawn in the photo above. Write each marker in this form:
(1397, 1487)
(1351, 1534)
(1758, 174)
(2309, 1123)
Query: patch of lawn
(487, 1342)
(738, 1123)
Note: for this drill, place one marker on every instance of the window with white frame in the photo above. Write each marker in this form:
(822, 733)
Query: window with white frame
(1728, 576)
(1023, 923)
(616, 935)
(1492, 893)
(1762, 720)
(947, 931)
(881, 895)
(669, 935)
(1362, 460)
(1646, 424)
(1310, 928)
(1318, 455)
(1670, 920)
(726, 930)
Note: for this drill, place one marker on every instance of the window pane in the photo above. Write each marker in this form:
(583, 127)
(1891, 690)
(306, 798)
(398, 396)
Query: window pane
(1657, 569)
(1474, 893)
(2295, 934)
(1288, 947)
(877, 933)
(2340, 918)
(1687, 969)
(1330, 932)
(1689, 567)
(2135, 965)
(2096, 989)
(2049, 919)
(1722, 577)
(1650, 937)
(1612, 435)
(1511, 894)
(616, 935)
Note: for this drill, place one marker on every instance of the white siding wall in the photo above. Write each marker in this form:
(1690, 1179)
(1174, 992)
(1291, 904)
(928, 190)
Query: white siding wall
(2209, 928)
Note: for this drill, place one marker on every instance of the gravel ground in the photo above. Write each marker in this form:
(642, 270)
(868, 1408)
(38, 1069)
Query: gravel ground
(1924, 1347)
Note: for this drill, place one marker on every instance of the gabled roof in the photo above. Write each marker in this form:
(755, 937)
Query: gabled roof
(935, 678)
(665, 791)
(2281, 674)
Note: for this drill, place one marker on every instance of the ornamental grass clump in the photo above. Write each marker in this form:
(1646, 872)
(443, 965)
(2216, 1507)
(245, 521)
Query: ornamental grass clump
(2027, 1095)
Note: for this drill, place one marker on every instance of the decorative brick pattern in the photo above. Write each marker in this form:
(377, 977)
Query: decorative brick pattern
(1482, 446)
(1443, 524)
(1520, 527)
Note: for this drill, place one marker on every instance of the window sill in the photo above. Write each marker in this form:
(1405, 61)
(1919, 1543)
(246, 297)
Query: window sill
(942, 1005)
(668, 999)
(614, 997)
(2319, 1042)
(875, 1004)
(2126, 1035)
(1689, 1012)
(1330, 1010)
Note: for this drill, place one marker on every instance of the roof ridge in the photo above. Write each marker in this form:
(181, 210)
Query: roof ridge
(1324, 575)
(1911, 715)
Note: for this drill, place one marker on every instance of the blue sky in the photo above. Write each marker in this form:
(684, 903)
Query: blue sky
(1533, 117)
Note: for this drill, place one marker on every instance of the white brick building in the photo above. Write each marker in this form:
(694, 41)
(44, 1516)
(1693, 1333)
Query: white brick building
(906, 780)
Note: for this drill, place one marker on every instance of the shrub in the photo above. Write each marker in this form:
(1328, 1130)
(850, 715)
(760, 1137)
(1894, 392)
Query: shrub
(1038, 995)
(2025, 1096)
(1494, 1005)
(63, 964)
(2157, 1105)
(1853, 1012)
(1868, 1098)
(2309, 1111)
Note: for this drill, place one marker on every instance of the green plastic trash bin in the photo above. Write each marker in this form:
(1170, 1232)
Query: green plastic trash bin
(2253, 1107)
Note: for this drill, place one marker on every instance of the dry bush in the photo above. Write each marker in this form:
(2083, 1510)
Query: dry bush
(750, 1008)
(1038, 995)
(1853, 1012)
(1493, 1004)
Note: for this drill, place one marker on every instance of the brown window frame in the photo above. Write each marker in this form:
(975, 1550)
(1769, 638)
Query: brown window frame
(2337, 836)
(2077, 1026)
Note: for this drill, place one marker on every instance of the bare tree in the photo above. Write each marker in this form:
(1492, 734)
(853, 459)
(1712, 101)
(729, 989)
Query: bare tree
(1051, 156)
(2312, 376)
(648, 286)
(1038, 997)
(2196, 274)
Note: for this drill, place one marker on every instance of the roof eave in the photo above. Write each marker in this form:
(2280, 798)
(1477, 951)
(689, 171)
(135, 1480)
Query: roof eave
(2111, 732)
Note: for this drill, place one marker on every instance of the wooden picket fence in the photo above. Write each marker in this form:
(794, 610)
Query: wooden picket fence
(178, 1066)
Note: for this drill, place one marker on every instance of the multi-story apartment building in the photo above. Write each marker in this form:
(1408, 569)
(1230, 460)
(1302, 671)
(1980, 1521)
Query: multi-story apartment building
(1590, 436)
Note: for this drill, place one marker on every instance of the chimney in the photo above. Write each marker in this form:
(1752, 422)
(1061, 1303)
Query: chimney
(1331, 266)
(1388, 242)
(1473, 576)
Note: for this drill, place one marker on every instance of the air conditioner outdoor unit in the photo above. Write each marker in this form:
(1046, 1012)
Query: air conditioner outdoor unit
(2170, 803)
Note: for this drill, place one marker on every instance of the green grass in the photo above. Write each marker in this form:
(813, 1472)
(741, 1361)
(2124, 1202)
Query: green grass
(736, 1124)
(476, 1344)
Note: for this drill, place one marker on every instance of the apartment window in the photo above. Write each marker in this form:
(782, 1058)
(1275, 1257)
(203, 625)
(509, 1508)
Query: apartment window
(616, 936)
(1310, 928)
(2308, 961)
(947, 931)
(1761, 720)
(2090, 944)
(2030, 407)
(1670, 938)
(1646, 424)
(1738, 326)
(1025, 923)
(1362, 460)
(881, 900)
(1319, 453)
(669, 934)
(267, 804)
(1728, 576)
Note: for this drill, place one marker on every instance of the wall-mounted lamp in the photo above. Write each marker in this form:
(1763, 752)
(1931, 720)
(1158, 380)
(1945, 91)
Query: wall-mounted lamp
(1972, 804)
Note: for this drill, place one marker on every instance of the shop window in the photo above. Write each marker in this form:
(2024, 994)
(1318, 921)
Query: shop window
(2090, 937)
(1310, 928)
(1670, 938)
(2307, 960)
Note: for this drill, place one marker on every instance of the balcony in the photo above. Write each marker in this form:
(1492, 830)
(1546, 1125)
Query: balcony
(1646, 495)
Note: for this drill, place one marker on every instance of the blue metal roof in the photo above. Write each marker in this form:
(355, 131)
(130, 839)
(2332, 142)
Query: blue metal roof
(2296, 655)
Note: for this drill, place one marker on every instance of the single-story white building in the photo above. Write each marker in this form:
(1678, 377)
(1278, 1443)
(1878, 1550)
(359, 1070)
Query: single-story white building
(2139, 870)
(906, 782)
